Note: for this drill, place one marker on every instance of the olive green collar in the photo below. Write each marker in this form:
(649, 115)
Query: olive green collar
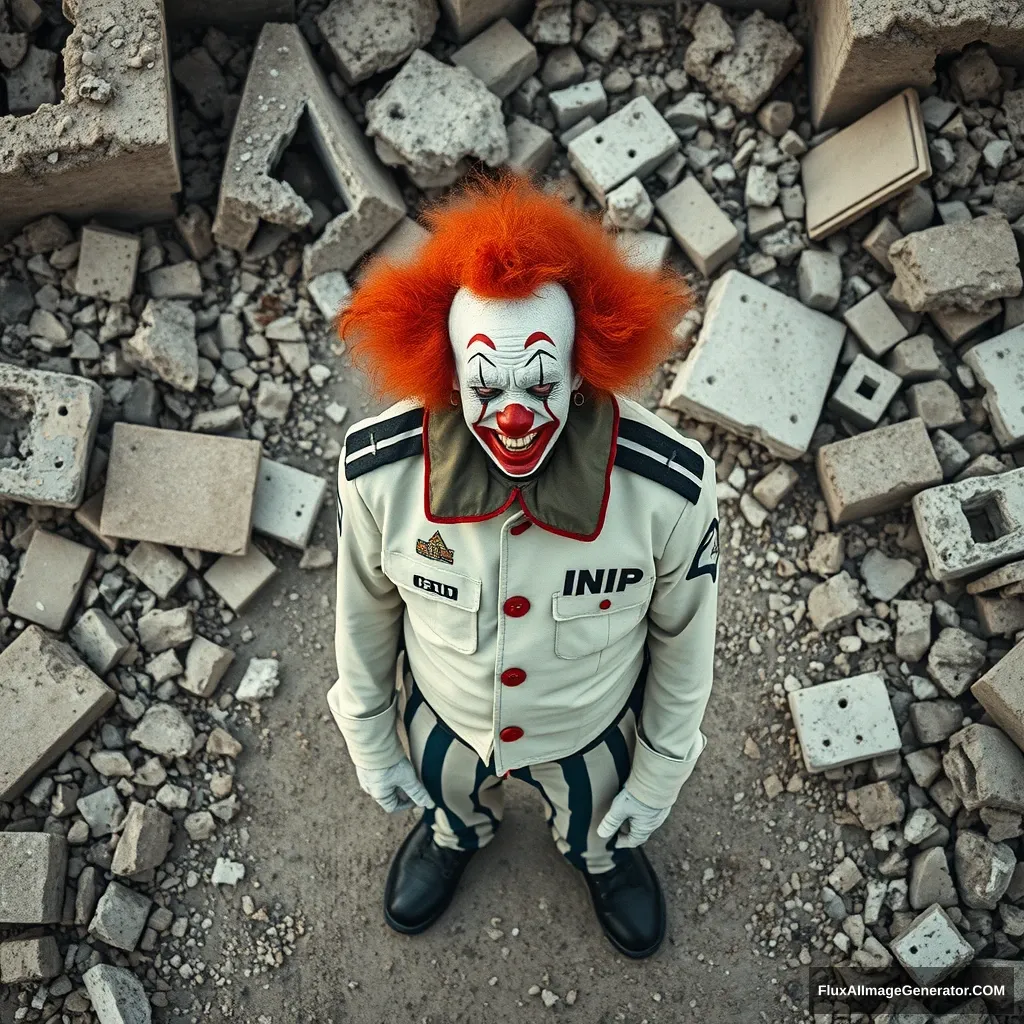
(568, 495)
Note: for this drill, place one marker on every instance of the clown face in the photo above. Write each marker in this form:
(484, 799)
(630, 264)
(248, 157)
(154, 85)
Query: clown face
(513, 361)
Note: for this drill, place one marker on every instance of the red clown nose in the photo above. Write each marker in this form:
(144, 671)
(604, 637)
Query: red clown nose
(515, 420)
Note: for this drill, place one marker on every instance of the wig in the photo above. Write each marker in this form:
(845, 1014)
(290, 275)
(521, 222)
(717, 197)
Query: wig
(502, 239)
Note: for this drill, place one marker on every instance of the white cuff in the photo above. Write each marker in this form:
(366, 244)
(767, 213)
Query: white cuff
(372, 742)
(655, 779)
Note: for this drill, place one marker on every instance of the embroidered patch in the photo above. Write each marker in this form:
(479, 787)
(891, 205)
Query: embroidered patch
(436, 549)
(441, 589)
(706, 558)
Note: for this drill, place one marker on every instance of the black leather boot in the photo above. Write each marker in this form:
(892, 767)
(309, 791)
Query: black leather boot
(422, 881)
(630, 905)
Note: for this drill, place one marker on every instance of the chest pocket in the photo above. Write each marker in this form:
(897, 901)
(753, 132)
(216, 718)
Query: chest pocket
(583, 627)
(443, 604)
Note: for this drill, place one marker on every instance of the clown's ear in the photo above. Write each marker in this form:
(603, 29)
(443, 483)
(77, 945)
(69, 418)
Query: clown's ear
(577, 380)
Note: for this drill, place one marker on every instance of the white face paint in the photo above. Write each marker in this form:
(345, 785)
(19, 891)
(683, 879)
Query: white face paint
(513, 359)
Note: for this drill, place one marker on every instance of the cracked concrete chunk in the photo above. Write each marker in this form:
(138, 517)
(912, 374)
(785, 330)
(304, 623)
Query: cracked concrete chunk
(985, 768)
(164, 730)
(33, 866)
(117, 995)
(120, 916)
(165, 343)
(998, 365)
(144, 841)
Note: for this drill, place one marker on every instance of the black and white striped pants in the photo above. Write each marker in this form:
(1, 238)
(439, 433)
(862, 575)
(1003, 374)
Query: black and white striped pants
(577, 789)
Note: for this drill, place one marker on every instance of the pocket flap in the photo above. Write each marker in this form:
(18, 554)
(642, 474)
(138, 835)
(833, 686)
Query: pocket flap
(432, 581)
(565, 607)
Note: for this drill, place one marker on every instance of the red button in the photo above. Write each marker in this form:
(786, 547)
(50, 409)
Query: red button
(605, 603)
(510, 733)
(516, 606)
(520, 528)
(513, 676)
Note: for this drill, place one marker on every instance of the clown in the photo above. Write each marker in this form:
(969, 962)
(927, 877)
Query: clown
(543, 549)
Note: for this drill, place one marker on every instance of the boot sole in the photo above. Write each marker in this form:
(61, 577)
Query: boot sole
(633, 954)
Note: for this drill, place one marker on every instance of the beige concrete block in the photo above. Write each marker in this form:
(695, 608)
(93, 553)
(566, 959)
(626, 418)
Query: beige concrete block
(703, 231)
(1000, 691)
(237, 579)
(205, 665)
(107, 262)
(51, 578)
(87, 515)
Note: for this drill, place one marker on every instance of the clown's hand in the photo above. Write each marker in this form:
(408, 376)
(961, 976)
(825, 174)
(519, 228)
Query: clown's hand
(641, 819)
(396, 788)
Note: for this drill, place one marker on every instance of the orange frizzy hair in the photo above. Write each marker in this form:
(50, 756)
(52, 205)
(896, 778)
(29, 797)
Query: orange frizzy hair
(503, 239)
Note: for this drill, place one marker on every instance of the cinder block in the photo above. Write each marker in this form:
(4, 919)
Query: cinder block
(97, 638)
(877, 471)
(863, 51)
(863, 166)
(33, 866)
(932, 948)
(116, 158)
(530, 147)
(107, 262)
(287, 503)
(181, 489)
(875, 324)
(501, 57)
(761, 366)
(157, 568)
(52, 697)
(632, 141)
(703, 231)
(36, 959)
(844, 721)
(998, 365)
(53, 572)
(865, 392)
(250, 191)
(49, 422)
(972, 525)
(238, 578)
(466, 18)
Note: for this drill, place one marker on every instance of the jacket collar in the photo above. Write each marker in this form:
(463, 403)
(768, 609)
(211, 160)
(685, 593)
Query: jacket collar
(567, 496)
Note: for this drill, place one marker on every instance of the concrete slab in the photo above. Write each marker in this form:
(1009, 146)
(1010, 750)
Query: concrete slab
(877, 471)
(107, 262)
(33, 866)
(863, 166)
(145, 500)
(973, 525)
(116, 158)
(501, 57)
(634, 140)
(998, 365)
(865, 392)
(238, 578)
(287, 503)
(762, 365)
(932, 948)
(703, 231)
(52, 574)
(157, 568)
(48, 423)
(277, 93)
(844, 721)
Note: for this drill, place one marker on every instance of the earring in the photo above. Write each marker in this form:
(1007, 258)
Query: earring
(577, 398)
(453, 399)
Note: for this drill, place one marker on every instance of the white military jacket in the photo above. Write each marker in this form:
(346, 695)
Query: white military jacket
(525, 606)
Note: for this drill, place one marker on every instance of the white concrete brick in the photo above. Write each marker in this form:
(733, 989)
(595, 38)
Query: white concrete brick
(705, 234)
(530, 147)
(998, 365)
(577, 102)
(287, 503)
(932, 948)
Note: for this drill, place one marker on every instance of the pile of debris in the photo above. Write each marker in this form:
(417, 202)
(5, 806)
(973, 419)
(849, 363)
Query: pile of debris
(862, 312)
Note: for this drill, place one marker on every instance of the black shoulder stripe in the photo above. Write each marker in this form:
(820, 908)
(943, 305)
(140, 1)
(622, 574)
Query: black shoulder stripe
(388, 453)
(659, 444)
(357, 440)
(659, 472)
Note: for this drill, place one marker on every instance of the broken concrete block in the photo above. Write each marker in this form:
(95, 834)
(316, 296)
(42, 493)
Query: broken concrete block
(404, 241)
(530, 147)
(835, 603)
(160, 630)
(739, 377)
(774, 487)
(915, 359)
(645, 250)
(820, 279)
(844, 721)
(260, 681)
(876, 805)
(165, 343)
(99, 641)
(33, 866)
(865, 392)
(117, 995)
(964, 266)
(878, 240)
(331, 292)
(120, 916)
(249, 190)
(36, 959)
(955, 660)
(144, 842)
(53, 572)
(932, 948)
(109, 150)
(913, 630)
(631, 142)
(998, 365)
(205, 665)
(958, 325)
(986, 769)
(238, 578)
(48, 423)
(936, 403)
(876, 471)
(468, 17)
(366, 39)
(875, 324)
(287, 503)
(163, 730)
(972, 525)
(144, 498)
(156, 568)
(702, 230)
(102, 811)
(501, 57)
(865, 165)
(930, 880)
(1000, 691)
(885, 577)
(432, 118)
(107, 262)
(176, 281)
(983, 870)
(572, 104)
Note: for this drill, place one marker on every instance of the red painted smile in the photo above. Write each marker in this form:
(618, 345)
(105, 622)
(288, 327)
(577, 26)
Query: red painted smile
(517, 454)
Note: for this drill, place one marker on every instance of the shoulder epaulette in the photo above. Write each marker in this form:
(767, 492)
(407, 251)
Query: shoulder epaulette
(648, 452)
(379, 444)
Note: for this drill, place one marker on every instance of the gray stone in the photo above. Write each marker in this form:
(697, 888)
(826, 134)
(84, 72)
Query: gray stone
(876, 805)
(835, 603)
(165, 343)
(32, 870)
(985, 768)
(237, 579)
(530, 147)
(935, 720)
(117, 995)
(33, 82)
(273, 401)
(501, 57)
(878, 240)
(915, 210)
(975, 74)
(602, 39)
(102, 811)
(952, 455)
(160, 630)
(163, 730)
(107, 262)
(875, 324)
(158, 569)
(932, 948)
(913, 630)
(629, 207)
(176, 281)
(144, 842)
(955, 660)
(936, 403)
(819, 279)
(885, 577)
(205, 665)
(983, 869)
(120, 916)
(572, 104)
(261, 680)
